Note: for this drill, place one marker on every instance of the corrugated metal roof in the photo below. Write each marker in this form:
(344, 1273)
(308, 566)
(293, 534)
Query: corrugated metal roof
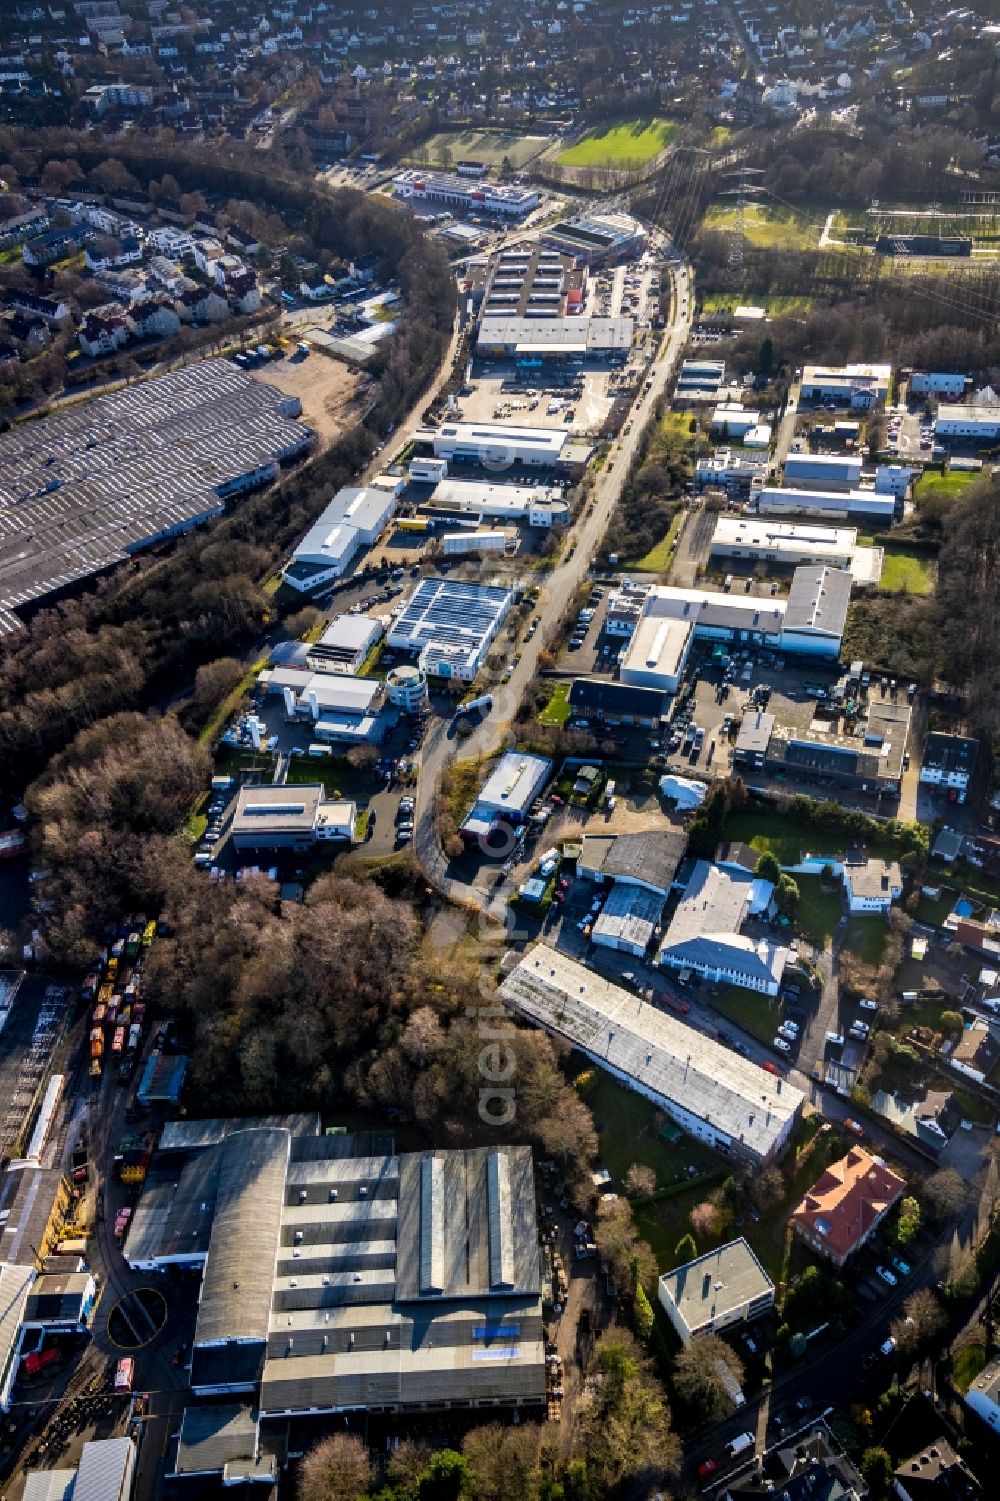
(105, 1472)
(236, 1292)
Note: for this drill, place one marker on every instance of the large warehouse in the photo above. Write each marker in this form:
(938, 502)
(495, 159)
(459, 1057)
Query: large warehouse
(873, 505)
(353, 519)
(657, 653)
(83, 488)
(708, 1090)
(810, 621)
(342, 1277)
(788, 544)
(505, 337)
(852, 385)
(957, 420)
(704, 933)
(507, 794)
(538, 505)
(494, 445)
(451, 625)
(822, 471)
(597, 239)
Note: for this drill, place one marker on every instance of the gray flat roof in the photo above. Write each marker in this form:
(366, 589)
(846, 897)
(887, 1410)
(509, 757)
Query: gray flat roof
(629, 915)
(660, 1053)
(86, 486)
(650, 856)
(271, 809)
(718, 1282)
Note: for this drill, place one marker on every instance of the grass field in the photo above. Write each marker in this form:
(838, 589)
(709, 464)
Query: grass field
(557, 710)
(820, 910)
(776, 306)
(787, 840)
(657, 560)
(906, 572)
(766, 225)
(949, 486)
(490, 146)
(630, 143)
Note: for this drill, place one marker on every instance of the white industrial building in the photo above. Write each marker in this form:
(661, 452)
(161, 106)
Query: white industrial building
(707, 1089)
(462, 544)
(463, 194)
(657, 653)
(345, 644)
(788, 543)
(822, 471)
(537, 505)
(354, 519)
(451, 625)
(724, 1287)
(810, 620)
(340, 707)
(937, 383)
(734, 421)
(507, 794)
(407, 689)
(105, 1470)
(428, 471)
(771, 500)
(957, 420)
(290, 818)
(855, 385)
(704, 933)
(495, 445)
(731, 469)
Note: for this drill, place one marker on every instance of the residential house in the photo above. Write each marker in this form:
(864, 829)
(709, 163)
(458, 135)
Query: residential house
(54, 245)
(51, 310)
(977, 1050)
(112, 252)
(948, 763)
(872, 885)
(937, 1473)
(202, 305)
(103, 330)
(846, 1204)
(155, 317)
(724, 1287)
(810, 1467)
(242, 291)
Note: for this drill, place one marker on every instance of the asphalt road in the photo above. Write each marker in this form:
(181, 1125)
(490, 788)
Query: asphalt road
(441, 745)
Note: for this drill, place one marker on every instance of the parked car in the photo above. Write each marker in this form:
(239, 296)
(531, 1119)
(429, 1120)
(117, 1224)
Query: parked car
(781, 1045)
(867, 1005)
(706, 1468)
(854, 1128)
(886, 1275)
(902, 1267)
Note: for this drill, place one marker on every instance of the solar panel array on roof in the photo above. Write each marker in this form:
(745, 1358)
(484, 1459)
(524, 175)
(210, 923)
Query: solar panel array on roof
(82, 489)
(448, 612)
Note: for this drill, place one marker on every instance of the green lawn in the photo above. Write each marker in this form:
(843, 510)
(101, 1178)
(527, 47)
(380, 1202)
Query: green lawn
(786, 840)
(758, 1014)
(906, 572)
(490, 146)
(865, 937)
(967, 1362)
(934, 910)
(766, 225)
(630, 143)
(819, 910)
(776, 305)
(949, 486)
(657, 560)
(557, 710)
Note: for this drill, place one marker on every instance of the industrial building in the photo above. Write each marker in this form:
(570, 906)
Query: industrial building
(974, 422)
(628, 921)
(699, 381)
(871, 505)
(937, 383)
(618, 703)
(528, 281)
(724, 1287)
(810, 621)
(345, 644)
(708, 1090)
(863, 754)
(89, 485)
(507, 794)
(495, 445)
(105, 1473)
(597, 239)
(657, 654)
(856, 385)
(731, 469)
(354, 519)
(647, 860)
(406, 688)
(787, 544)
(734, 421)
(451, 625)
(704, 935)
(533, 505)
(336, 706)
(463, 543)
(289, 818)
(465, 195)
(822, 471)
(502, 336)
(948, 762)
(340, 1276)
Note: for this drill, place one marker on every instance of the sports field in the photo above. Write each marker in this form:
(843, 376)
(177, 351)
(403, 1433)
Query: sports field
(630, 143)
(489, 146)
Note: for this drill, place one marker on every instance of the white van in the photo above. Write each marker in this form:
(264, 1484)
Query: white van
(317, 749)
(740, 1444)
